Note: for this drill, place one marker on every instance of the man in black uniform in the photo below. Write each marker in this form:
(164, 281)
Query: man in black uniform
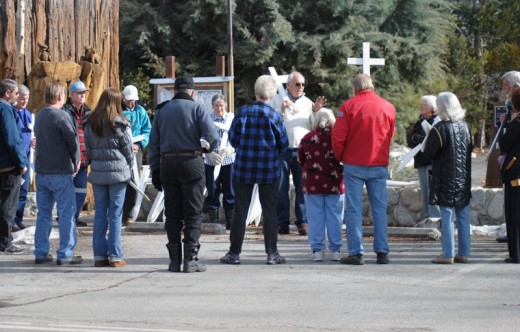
(181, 131)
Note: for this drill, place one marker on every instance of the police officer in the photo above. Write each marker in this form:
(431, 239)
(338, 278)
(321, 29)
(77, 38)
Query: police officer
(181, 131)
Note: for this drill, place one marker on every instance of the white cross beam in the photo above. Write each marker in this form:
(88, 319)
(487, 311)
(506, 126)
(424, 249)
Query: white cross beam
(366, 61)
(279, 81)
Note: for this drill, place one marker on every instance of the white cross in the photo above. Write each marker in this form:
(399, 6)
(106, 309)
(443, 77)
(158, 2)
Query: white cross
(366, 61)
(279, 81)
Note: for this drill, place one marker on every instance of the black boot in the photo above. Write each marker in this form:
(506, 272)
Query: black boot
(213, 216)
(229, 216)
(175, 251)
(191, 262)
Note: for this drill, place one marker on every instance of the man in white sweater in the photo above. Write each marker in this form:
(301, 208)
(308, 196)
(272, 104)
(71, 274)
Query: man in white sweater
(296, 110)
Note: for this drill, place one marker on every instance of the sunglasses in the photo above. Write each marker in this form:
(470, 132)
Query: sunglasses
(299, 84)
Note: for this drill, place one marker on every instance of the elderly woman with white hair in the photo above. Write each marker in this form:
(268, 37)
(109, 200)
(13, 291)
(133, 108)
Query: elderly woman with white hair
(421, 162)
(323, 186)
(449, 145)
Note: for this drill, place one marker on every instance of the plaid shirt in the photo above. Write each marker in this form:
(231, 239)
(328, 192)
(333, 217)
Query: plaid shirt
(78, 116)
(258, 134)
(227, 160)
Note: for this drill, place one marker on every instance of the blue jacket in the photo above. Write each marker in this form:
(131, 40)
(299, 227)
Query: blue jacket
(140, 123)
(25, 122)
(12, 151)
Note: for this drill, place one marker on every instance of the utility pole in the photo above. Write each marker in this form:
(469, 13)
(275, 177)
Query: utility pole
(231, 71)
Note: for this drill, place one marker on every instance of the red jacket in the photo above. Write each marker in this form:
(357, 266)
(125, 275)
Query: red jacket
(364, 128)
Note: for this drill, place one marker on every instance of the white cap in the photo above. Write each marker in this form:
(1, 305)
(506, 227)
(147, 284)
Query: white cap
(130, 93)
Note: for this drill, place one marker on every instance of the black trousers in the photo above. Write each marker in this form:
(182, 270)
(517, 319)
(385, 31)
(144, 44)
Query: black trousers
(9, 192)
(268, 199)
(183, 184)
(512, 212)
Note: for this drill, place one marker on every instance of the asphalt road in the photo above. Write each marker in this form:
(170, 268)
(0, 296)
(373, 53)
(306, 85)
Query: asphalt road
(409, 294)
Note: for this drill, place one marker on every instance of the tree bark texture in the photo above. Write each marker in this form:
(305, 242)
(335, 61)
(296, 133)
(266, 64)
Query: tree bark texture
(60, 31)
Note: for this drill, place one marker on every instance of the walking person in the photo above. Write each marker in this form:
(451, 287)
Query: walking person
(323, 186)
(57, 161)
(224, 155)
(109, 150)
(259, 137)
(13, 163)
(361, 139)
(181, 131)
(449, 145)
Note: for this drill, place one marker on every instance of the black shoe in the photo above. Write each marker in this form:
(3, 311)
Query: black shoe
(510, 260)
(80, 223)
(353, 260)
(275, 258)
(283, 230)
(382, 258)
(44, 260)
(191, 266)
(12, 250)
(502, 239)
(74, 260)
(230, 258)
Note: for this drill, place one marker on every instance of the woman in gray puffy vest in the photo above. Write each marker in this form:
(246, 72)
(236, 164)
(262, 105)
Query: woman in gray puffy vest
(108, 142)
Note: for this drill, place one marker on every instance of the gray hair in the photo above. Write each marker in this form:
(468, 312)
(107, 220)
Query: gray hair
(513, 78)
(23, 90)
(323, 118)
(429, 101)
(216, 98)
(7, 85)
(449, 108)
(265, 87)
(292, 75)
(362, 82)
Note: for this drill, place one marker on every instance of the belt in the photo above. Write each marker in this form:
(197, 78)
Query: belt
(182, 154)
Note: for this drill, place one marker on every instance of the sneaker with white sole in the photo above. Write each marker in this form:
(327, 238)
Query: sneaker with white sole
(317, 256)
(336, 256)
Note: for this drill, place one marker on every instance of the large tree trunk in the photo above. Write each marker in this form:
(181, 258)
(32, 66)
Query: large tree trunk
(66, 27)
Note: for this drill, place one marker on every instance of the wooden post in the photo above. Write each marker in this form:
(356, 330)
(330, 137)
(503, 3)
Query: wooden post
(221, 65)
(170, 66)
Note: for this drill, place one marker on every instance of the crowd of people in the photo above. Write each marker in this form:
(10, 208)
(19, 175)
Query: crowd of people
(197, 156)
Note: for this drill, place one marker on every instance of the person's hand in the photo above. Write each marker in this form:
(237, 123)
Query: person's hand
(287, 105)
(156, 179)
(417, 138)
(136, 149)
(502, 118)
(33, 143)
(215, 158)
(23, 170)
(76, 170)
(226, 151)
(514, 115)
(319, 103)
(204, 144)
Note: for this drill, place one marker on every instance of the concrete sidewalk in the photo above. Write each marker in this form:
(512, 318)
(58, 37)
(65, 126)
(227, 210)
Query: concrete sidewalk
(409, 294)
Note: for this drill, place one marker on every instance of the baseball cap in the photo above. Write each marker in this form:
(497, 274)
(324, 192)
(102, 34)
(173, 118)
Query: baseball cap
(78, 86)
(130, 93)
(183, 83)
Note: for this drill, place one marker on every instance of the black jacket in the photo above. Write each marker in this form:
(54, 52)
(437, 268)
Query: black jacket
(510, 144)
(415, 137)
(449, 146)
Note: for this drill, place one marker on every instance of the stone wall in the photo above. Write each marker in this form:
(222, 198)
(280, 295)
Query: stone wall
(404, 206)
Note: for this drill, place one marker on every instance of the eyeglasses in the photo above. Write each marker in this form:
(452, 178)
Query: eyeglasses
(298, 84)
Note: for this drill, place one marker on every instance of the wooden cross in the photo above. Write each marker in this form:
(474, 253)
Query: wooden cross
(366, 61)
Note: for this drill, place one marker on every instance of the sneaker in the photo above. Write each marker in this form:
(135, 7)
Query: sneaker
(283, 230)
(120, 263)
(230, 258)
(336, 256)
(101, 263)
(15, 228)
(303, 229)
(74, 260)
(316, 256)
(21, 225)
(275, 258)
(382, 258)
(442, 260)
(510, 260)
(44, 260)
(353, 260)
(80, 223)
(460, 259)
(12, 250)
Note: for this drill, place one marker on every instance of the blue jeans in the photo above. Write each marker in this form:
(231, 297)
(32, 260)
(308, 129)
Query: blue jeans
(109, 200)
(51, 188)
(22, 198)
(80, 181)
(325, 212)
(223, 184)
(463, 222)
(289, 164)
(429, 211)
(374, 178)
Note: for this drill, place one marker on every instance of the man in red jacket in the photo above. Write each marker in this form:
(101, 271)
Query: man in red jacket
(361, 140)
